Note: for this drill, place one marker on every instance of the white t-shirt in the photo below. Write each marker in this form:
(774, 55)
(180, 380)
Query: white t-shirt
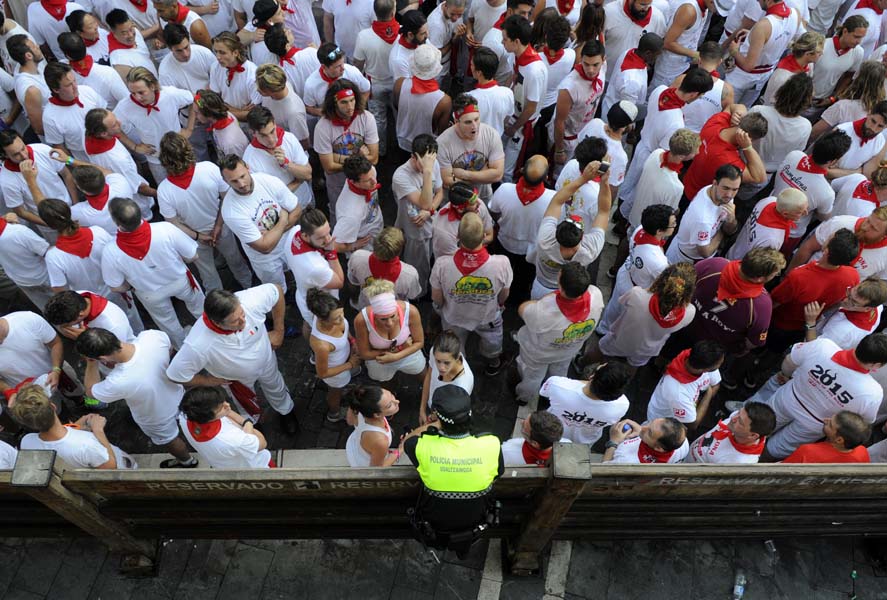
(584, 419)
(15, 190)
(495, 104)
(63, 125)
(658, 185)
(8, 455)
(622, 33)
(854, 195)
(238, 356)
(700, 223)
(872, 261)
(349, 18)
(550, 337)
(784, 135)
(23, 353)
(755, 234)
(374, 51)
(73, 272)
(483, 16)
(718, 447)
(529, 86)
(844, 332)
(356, 218)
(192, 75)
(584, 200)
(230, 448)
(316, 86)
(407, 286)
(137, 56)
(22, 255)
(618, 157)
(149, 126)
(557, 72)
(261, 160)
(152, 398)
(518, 223)
(627, 82)
(106, 82)
(671, 398)
(629, 452)
(800, 172)
(197, 205)
(513, 451)
(249, 217)
(547, 257)
(310, 270)
(113, 319)
(45, 28)
(831, 67)
(289, 112)
(161, 266)
(87, 215)
(493, 41)
(80, 449)
(242, 90)
(859, 152)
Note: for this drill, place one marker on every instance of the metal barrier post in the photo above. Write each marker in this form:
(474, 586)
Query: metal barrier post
(570, 471)
(38, 471)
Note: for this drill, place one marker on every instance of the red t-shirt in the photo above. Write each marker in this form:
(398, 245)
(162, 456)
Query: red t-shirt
(713, 153)
(824, 452)
(808, 284)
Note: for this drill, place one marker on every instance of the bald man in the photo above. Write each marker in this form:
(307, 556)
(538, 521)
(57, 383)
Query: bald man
(770, 223)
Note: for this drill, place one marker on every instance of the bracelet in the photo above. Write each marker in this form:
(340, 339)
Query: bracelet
(331, 255)
(57, 369)
(69, 161)
(396, 454)
(196, 235)
(747, 148)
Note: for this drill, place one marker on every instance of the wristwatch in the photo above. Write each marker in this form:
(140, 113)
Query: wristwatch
(611, 444)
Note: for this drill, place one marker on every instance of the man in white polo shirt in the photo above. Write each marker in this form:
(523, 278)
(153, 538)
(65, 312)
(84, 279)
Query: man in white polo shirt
(817, 380)
(358, 215)
(867, 144)
(259, 209)
(278, 152)
(230, 341)
(150, 258)
(738, 440)
(689, 383)
(138, 376)
(770, 223)
(222, 438)
(73, 312)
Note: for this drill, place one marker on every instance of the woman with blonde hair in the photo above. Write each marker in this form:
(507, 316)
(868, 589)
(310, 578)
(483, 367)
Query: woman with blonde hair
(651, 315)
(859, 195)
(389, 334)
(335, 354)
(856, 100)
(234, 77)
(804, 52)
(226, 133)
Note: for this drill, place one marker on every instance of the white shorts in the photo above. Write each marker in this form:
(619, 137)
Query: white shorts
(411, 365)
(338, 381)
(162, 433)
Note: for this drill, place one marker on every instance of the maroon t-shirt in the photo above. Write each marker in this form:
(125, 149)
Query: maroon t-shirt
(729, 322)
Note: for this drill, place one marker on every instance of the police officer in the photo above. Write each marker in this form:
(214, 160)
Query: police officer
(457, 471)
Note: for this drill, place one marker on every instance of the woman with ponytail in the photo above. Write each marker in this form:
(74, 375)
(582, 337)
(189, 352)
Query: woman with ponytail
(651, 315)
(369, 407)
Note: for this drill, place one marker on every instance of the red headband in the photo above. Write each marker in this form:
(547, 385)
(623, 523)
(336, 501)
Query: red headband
(471, 108)
(344, 93)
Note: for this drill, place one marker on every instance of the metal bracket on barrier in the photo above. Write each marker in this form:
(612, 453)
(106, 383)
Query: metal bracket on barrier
(33, 468)
(571, 461)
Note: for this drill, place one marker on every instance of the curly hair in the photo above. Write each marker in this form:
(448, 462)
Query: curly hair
(176, 153)
(674, 286)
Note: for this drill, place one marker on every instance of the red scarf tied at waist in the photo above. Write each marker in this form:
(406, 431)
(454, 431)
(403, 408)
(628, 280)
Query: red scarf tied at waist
(469, 261)
(574, 309)
(732, 285)
(677, 368)
(387, 30)
(671, 319)
(385, 269)
(79, 243)
(535, 456)
(135, 243)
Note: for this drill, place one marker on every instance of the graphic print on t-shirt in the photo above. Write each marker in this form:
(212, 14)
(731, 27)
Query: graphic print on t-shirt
(266, 215)
(348, 144)
(473, 289)
(471, 160)
(576, 331)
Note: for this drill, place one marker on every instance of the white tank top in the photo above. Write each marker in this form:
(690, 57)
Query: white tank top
(669, 65)
(465, 380)
(782, 32)
(357, 456)
(415, 114)
(341, 345)
(704, 107)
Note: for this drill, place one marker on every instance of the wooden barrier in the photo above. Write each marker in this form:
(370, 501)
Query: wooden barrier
(575, 498)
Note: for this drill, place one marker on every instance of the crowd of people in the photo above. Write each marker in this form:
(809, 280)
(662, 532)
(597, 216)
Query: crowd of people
(733, 150)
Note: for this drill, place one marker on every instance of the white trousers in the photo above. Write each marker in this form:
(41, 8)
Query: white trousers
(159, 305)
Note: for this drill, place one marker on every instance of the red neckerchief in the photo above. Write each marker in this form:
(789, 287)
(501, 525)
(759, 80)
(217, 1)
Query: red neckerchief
(8, 164)
(807, 165)
(531, 454)
(387, 30)
(148, 107)
(79, 244)
(669, 99)
(647, 455)
(99, 201)
(55, 8)
(115, 44)
(847, 358)
(677, 368)
(722, 432)
(232, 71)
(528, 56)
(385, 269)
(867, 246)
(838, 50)
(487, 85)
(342, 122)
(94, 145)
(862, 319)
(642, 237)
(204, 432)
(552, 57)
(220, 124)
(574, 309)
(452, 212)
(565, 6)
(89, 43)
(779, 10)
(424, 86)
(665, 321)
(714, 74)
(790, 64)
(300, 246)
(215, 328)
(288, 57)
(770, 217)
(183, 179)
(329, 80)
(526, 193)
(498, 23)
(626, 8)
(256, 144)
(96, 305)
(82, 67)
(135, 243)
(857, 129)
(9, 393)
(287, 9)
(469, 261)
(732, 285)
(3, 224)
(367, 194)
(702, 6)
(408, 45)
(181, 15)
(866, 191)
(142, 5)
(596, 83)
(53, 99)
(665, 164)
(632, 61)
(872, 4)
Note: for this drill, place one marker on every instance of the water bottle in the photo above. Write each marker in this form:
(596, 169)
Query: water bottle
(739, 585)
